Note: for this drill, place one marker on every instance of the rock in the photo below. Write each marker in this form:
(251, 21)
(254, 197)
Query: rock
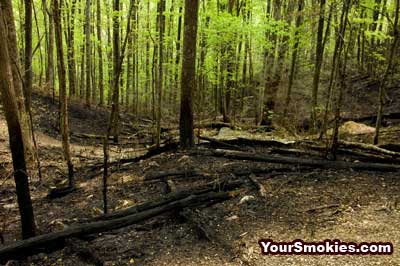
(353, 128)
(226, 133)
(246, 199)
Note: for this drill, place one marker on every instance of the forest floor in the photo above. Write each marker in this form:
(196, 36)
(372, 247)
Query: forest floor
(309, 204)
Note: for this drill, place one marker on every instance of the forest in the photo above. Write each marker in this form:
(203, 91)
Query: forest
(182, 132)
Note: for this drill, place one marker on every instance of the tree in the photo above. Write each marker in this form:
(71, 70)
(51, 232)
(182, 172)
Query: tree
(64, 127)
(188, 83)
(7, 8)
(294, 55)
(100, 52)
(15, 135)
(28, 55)
(389, 68)
(88, 53)
(318, 60)
(161, 25)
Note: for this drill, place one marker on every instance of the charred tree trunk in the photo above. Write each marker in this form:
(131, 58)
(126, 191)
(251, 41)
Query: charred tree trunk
(188, 83)
(15, 135)
(6, 6)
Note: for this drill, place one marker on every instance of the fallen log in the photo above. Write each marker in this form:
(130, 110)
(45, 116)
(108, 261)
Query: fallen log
(218, 143)
(299, 161)
(56, 240)
(297, 152)
(168, 173)
(368, 147)
(56, 193)
(372, 118)
(261, 142)
(153, 151)
(221, 185)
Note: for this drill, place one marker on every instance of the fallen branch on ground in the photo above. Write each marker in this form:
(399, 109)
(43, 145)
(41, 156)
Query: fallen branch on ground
(299, 161)
(56, 240)
(217, 143)
(368, 147)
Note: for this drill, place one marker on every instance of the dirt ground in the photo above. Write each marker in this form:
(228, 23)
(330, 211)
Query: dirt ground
(310, 204)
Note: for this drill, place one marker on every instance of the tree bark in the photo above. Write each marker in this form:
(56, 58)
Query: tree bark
(319, 55)
(88, 53)
(188, 83)
(64, 127)
(28, 74)
(294, 56)
(15, 135)
(382, 85)
(7, 8)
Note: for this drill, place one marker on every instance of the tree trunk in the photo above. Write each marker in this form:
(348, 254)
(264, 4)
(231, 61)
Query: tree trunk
(6, 6)
(188, 83)
(88, 53)
(341, 69)
(160, 69)
(389, 68)
(100, 52)
(15, 134)
(71, 51)
(319, 55)
(63, 92)
(28, 75)
(294, 55)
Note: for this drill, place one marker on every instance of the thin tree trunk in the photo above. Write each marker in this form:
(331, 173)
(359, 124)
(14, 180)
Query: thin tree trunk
(341, 69)
(71, 51)
(188, 83)
(389, 68)
(88, 53)
(28, 74)
(160, 70)
(15, 134)
(63, 92)
(319, 55)
(294, 56)
(100, 53)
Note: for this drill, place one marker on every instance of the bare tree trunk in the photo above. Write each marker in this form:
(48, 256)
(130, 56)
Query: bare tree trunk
(88, 54)
(160, 70)
(50, 54)
(188, 83)
(6, 6)
(341, 61)
(63, 92)
(71, 51)
(294, 55)
(147, 62)
(15, 135)
(100, 52)
(382, 85)
(28, 74)
(318, 61)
